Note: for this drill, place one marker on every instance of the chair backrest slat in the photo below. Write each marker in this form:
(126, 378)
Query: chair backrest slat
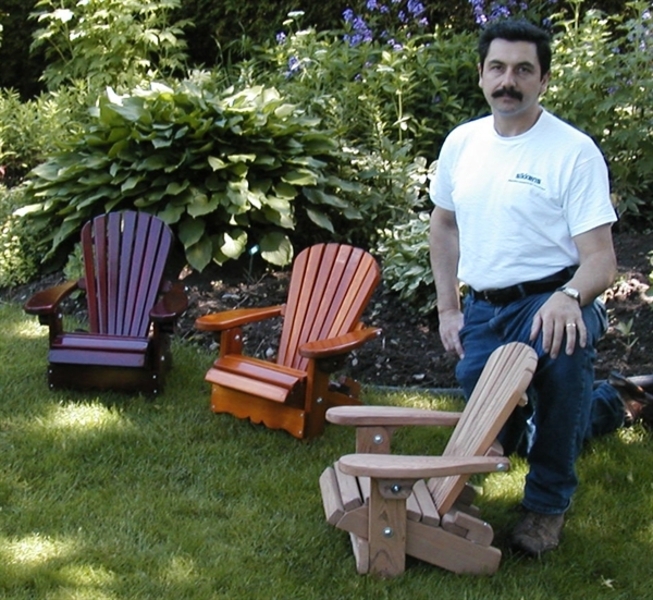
(124, 259)
(504, 380)
(330, 286)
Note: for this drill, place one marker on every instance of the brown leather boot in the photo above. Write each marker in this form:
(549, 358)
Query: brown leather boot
(537, 533)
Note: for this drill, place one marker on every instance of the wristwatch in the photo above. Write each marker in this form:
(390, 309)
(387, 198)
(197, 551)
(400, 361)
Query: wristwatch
(570, 291)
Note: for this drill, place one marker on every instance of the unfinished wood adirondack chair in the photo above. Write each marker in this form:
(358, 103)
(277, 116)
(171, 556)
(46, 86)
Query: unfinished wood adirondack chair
(330, 286)
(393, 506)
(131, 309)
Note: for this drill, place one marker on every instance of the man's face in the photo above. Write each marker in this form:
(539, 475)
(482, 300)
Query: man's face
(511, 78)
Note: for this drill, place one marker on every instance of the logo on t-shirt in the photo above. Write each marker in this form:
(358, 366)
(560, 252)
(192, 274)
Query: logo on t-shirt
(527, 179)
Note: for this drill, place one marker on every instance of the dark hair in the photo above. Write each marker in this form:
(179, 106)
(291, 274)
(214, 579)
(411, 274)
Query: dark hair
(517, 30)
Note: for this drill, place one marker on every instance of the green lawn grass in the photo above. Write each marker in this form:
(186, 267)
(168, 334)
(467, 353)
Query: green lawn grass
(112, 497)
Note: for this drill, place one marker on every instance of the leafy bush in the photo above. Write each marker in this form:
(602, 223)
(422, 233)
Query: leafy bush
(392, 104)
(406, 265)
(20, 249)
(112, 42)
(402, 88)
(601, 83)
(30, 130)
(227, 169)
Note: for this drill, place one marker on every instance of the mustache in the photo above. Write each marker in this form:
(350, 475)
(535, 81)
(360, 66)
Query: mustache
(510, 92)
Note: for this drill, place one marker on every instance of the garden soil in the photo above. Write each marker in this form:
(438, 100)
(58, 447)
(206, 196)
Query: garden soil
(408, 353)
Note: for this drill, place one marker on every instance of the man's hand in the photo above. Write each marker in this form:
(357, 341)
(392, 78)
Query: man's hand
(559, 320)
(451, 322)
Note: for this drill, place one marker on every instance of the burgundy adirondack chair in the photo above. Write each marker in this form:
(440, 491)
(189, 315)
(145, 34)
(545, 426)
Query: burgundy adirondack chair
(132, 310)
(330, 286)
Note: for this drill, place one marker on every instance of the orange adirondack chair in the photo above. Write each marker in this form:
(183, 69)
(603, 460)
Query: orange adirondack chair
(383, 500)
(330, 286)
(131, 309)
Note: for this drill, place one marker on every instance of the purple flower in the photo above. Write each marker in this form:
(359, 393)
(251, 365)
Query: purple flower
(294, 66)
(281, 37)
(415, 8)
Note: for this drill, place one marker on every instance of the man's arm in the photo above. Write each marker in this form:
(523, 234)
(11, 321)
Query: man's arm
(444, 253)
(560, 317)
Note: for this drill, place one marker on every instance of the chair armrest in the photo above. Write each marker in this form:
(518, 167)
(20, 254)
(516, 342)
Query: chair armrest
(171, 305)
(341, 344)
(393, 416)
(235, 318)
(47, 301)
(388, 466)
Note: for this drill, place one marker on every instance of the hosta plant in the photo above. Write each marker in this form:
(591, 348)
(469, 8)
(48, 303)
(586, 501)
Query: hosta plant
(227, 170)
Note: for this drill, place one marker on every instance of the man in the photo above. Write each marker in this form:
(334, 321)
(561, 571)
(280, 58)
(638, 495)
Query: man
(523, 217)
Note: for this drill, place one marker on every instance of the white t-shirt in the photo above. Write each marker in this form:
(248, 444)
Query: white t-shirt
(519, 200)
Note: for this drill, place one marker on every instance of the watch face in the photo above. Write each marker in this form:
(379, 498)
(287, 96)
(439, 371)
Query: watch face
(571, 292)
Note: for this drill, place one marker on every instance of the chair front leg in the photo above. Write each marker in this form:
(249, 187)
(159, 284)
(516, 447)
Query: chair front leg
(231, 341)
(317, 399)
(387, 526)
(54, 322)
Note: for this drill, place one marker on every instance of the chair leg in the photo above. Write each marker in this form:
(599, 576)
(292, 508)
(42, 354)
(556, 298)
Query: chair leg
(387, 526)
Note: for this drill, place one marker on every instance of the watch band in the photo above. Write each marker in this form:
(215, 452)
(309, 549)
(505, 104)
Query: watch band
(570, 291)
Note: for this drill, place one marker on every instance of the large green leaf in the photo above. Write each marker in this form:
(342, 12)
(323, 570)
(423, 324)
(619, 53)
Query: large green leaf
(201, 204)
(276, 248)
(300, 177)
(318, 196)
(234, 243)
(174, 188)
(199, 254)
(320, 219)
(131, 183)
(217, 163)
(190, 231)
(171, 213)
(285, 190)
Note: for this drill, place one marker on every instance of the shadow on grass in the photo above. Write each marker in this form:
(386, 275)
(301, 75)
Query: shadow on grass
(117, 496)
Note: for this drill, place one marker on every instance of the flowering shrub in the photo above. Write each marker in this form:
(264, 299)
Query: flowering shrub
(389, 22)
(390, 108)
(486, 11)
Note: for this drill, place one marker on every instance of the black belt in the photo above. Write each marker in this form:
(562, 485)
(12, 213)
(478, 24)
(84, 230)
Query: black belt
(528, 288)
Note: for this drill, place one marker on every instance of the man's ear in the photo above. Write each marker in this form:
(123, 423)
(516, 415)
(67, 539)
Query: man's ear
(479, 68)
(544, 83)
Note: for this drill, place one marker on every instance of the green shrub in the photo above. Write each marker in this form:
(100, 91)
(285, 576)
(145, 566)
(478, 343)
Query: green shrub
(414, 91)
(406, 266)
(31, 130)
(20, 249)
(392, 107)
(112, 42)
(227, 169)
(601, 83)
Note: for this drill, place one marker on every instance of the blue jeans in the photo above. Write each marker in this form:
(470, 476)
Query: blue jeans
(565, 408)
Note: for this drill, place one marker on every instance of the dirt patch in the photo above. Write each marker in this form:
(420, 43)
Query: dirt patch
(409, 352)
